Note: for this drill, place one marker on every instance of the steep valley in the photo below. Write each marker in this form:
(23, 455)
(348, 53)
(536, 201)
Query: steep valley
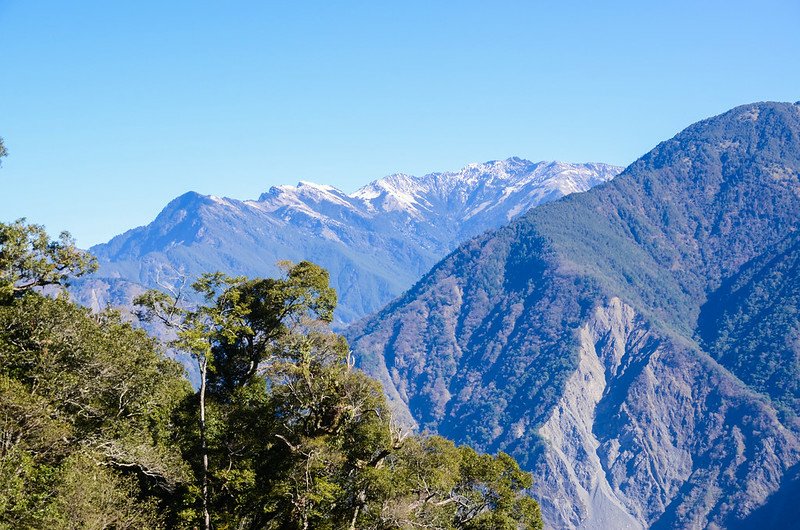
(634, 345)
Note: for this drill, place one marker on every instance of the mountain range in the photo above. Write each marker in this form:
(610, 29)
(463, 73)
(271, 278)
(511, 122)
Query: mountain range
(375, 242)
(637, 346)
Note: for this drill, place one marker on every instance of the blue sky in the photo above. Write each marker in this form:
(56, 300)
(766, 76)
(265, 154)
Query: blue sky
(111, 109)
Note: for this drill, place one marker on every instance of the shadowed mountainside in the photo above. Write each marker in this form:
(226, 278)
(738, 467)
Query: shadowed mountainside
(636, 345)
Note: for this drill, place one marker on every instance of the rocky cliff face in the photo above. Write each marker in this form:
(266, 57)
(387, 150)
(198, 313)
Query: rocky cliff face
(635, 345)
(375, 242)
(651, 433)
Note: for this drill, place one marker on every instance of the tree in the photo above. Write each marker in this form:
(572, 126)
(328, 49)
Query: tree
(444, 486)
(291, 435)
(29, 259)
(241, 324)
(87, 408)
(87, 403)
(3, 151)
(98, 429)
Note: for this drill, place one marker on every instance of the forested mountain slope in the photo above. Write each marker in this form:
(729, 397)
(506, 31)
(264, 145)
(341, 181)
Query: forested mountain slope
(636, 345)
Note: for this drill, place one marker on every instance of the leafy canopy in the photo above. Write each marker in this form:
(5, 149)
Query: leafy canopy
(88, 437)
(29, 259)
(99, 430)
(296, 437)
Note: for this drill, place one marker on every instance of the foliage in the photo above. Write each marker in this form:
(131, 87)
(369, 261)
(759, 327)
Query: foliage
(98, 430)
(295, 437)
(87, 495)
(435, 484)
(29, 259)
(87, 437)
(80, 391)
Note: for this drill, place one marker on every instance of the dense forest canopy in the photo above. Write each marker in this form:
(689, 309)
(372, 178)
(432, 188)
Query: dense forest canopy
(99, 429)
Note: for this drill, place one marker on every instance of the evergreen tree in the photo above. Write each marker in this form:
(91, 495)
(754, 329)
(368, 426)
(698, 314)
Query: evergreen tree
(290, 435)
(87, 437)
(29, 259)
(99, 430)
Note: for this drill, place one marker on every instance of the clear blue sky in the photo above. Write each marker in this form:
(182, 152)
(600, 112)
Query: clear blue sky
(111, 109)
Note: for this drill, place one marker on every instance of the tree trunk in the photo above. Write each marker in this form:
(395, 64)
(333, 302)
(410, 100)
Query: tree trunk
(203, 446)
(355, 518)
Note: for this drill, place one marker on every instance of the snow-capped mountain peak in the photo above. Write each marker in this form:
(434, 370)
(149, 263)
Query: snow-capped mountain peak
(376, 241)
(512, 185)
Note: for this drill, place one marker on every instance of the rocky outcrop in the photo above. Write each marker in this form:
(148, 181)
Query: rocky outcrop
(651, 433)
(635, 345)
(572, 484)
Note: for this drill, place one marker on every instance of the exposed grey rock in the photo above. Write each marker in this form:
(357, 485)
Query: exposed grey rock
(636, 345)
(650, 432)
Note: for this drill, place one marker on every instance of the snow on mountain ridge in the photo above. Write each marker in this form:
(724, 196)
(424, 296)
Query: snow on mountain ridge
(482, 195)
(394, 192)
(467, 189)
(375, 242)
